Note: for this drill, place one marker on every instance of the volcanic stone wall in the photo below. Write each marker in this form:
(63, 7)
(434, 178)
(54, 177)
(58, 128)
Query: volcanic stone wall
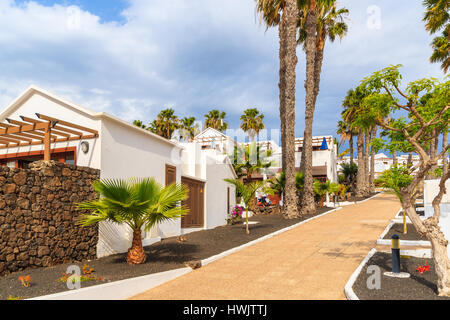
(38, 215)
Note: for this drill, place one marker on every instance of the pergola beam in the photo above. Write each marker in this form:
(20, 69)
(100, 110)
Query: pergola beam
(36, 132)
(67, 124)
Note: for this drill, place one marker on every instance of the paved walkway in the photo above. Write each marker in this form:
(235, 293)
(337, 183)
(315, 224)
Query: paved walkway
(312, 261)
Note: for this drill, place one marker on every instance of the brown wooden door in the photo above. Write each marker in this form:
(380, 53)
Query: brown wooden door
(195, 203)
(171, 174)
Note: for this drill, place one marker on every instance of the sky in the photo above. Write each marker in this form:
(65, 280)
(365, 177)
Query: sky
(133, 58)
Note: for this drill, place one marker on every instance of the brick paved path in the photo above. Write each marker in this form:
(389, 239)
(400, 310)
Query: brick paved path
(312, 261)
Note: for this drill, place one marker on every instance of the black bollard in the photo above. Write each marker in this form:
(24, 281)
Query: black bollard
(395, 254)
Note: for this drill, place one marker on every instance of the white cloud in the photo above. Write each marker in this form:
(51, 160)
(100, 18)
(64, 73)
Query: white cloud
(193, 55)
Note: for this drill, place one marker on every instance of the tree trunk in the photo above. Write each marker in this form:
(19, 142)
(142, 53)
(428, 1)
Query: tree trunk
(351, 148)
(372, 161)
(307, 197)
(288, 63)
(394, 157)
(430, 228)
(444, 144)
(360, 185)
(136, 254)
(410, 159)
(367, 162)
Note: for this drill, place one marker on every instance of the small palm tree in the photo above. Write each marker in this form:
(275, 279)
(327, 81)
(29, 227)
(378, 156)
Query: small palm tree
(215, 119)
(247, 192)
(139, 203)
(349, 170)
(252, 122)
(322, 188)
(250, 159)
(394, 180)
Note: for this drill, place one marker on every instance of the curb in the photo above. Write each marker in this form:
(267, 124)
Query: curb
(348, 289)
(118, 290)
(388, 242)
(124, 289)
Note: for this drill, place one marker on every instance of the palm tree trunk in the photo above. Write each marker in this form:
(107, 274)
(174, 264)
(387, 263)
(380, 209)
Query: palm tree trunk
(366, 162)
(307, 198)
(444, 145)
(351, 148)
(372, 161)
(136, 254)
(410, 159)
(360, 192)
(288, 63)
(394, 157)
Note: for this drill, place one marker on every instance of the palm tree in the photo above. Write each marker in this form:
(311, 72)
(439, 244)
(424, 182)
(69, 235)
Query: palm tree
(352, 104)
(215, 119)
(441, 50)
(250, 159)
(139, 203)
(247, 192)
(437, 18)
(323, 21)
(349, 170)
(346, 133)
(140, 124)
(285, 13)
(252, 122)
(188, 128)
(165, 124)
(436, 15)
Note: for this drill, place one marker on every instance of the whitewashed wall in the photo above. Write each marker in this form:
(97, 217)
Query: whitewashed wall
(128, 153)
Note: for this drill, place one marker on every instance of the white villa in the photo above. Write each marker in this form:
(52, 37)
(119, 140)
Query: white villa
(40, 125)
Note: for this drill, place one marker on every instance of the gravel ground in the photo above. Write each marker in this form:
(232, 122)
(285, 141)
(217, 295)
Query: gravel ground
(164, 256)
(417, 287)
(397, 228)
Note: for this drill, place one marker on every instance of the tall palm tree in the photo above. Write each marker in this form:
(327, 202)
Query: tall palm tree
(352, 105)
(215, 119)
(441, 50)
(346, 133)
(140, 124)
(437, 14)
(138, 203)
(165, 123)
(285, 13)
(373, 135)
(252, 122)
(437, 18)
(188, 128)
(323, 21)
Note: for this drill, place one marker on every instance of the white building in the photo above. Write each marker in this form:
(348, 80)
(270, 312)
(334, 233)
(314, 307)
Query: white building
(119, 150)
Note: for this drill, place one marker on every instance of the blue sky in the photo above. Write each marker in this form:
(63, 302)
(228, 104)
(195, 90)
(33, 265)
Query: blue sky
(133, 58)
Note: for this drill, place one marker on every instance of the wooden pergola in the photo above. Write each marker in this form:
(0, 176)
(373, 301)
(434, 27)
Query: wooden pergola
(44, 130)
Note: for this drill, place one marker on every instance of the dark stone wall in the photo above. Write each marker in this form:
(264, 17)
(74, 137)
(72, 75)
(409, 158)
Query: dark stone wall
(38, 216)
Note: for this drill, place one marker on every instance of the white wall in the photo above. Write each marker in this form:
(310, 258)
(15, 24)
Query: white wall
(127, 154)
(216, 192)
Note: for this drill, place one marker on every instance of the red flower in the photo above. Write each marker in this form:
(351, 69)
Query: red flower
(424, 268)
